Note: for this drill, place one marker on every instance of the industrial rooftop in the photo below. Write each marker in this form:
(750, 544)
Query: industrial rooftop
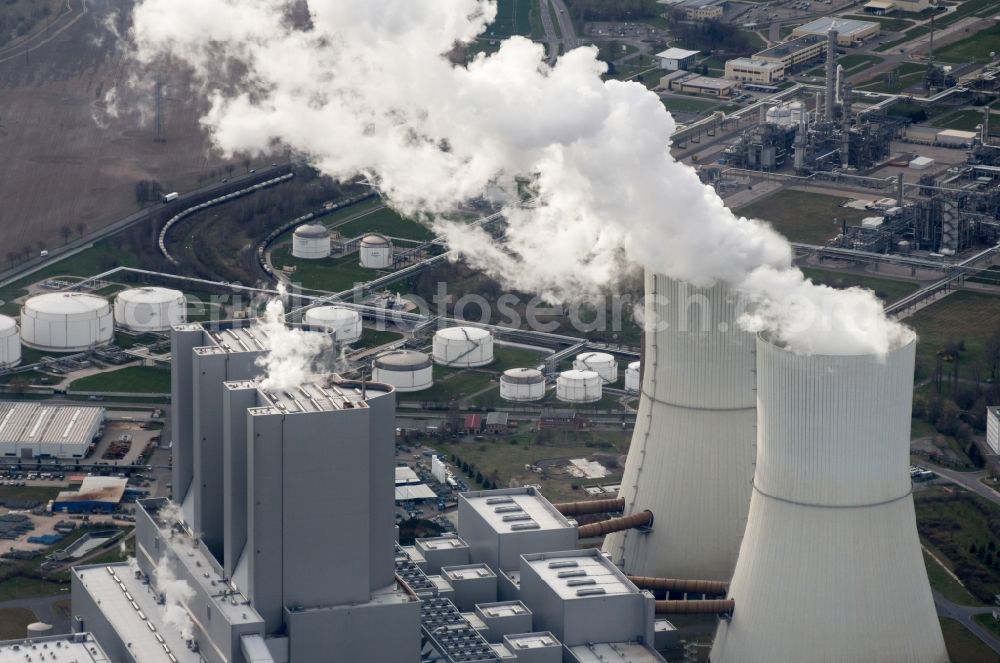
(515, 511)
(843, 26)
(56, 425)
(321, 396)
(79, 648)
(579, 574)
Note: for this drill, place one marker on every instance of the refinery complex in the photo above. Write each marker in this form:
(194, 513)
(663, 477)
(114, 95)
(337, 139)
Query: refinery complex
(501, 331)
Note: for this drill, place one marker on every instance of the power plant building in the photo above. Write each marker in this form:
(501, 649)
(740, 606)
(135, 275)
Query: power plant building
(831, 567)
(753, 70)
(42, 430)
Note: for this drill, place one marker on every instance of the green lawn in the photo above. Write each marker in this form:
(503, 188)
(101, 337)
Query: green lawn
(327, 275)
(851, 64)
(37, 493)
(513, 18)
(504, 457)
(975, 48)
(908, 73)
(990, 623)
(943, 582)
(451, 384)
(968, 8)
(964, 120)
(910, 34)
(963, 645)
(505, 357)
(961, 316)
(23, 587)
(387, 222)
(688, 105)
(371, 338)
(803, 216)
(952, 522)
(888, 290)
(132, 379)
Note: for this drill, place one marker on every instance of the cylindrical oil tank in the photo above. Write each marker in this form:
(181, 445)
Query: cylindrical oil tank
(376, 251)
(579, 386)
(632, 373)
(311, 241)
(10, 343)
(830, 567)
(406, 370)
(601, 363)
(522, 384)
(463, 347)
(66, 321)
(345, 323)
(38, 630)
(150, 309)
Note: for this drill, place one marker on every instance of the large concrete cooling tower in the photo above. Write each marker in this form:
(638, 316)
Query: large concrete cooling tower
(692, 453)
(830, 568)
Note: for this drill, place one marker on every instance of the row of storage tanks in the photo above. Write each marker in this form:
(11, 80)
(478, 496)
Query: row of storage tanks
(312, 241)
(75, 321)
(471, 347)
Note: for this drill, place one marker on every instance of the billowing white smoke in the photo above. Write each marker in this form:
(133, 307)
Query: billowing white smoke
(364, 88)
(292, 352)
(176, 593)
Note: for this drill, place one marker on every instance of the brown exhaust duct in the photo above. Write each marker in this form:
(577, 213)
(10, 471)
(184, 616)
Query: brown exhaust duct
(590, 506)
(631, 521)
(680, 585)
(715, 607)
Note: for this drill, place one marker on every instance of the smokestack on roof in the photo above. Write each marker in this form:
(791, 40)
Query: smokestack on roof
(830, 568)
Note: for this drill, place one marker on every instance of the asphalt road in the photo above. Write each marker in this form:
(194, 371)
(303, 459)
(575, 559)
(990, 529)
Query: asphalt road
(569, 39)
(964, 615)
(969, 480)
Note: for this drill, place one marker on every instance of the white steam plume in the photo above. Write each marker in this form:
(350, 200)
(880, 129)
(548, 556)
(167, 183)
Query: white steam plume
(364, 88)
(176, 593)
(292, 352)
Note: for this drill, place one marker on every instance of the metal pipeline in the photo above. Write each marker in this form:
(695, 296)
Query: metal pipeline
(714, 607)
(680, 585)
(631, 521)
(590, 506)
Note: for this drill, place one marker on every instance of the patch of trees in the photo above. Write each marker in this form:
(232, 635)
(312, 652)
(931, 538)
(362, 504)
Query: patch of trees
(711, 36)
(977, 564)
(614, 10)
(148, 191)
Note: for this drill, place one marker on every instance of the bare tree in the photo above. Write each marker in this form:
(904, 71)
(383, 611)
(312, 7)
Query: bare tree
(80, 227)
(65, 231)
(12, 257)
(26, 251)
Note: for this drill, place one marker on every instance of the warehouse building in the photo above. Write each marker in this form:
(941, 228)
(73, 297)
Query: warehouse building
(750, 70)
(850, 32)
(41, 430)
(96, 494)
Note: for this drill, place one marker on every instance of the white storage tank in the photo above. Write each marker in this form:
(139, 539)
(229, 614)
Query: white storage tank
(406, 370)
(345, 323)
(632, 381)
(150, 309)
(579, 386)
(66, 321)
(10, 343)
(522, 384)
(463, 346)
(601, 363)
(376, 251)
(311, 242)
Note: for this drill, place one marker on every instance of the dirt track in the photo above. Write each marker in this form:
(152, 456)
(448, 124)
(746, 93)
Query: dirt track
(58, 166)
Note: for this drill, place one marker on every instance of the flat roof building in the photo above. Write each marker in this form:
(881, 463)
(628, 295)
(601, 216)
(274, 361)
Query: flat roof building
(750, 70)
(716, 87)
(849, 31)
(39, 430)
(73, 648)
(94, 494)
(794, 51)
(701, 10)
(673, 59)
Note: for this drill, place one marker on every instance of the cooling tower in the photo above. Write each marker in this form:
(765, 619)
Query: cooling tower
(692, 453)
(830, 568)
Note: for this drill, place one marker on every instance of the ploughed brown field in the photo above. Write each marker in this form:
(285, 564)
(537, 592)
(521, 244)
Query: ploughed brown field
(58, 165)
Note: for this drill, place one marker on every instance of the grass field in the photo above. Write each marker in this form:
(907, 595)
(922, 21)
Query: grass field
(328, 275)
(963, 645)
(38, 493)
(968, 8)
(950, 524)
(975, 48)
(888, 290)
(14, 622)
(908, 73)
(503, 458)
(961, 316)
(803, 216)
(950, 588)
(965, 120)
(24, 587)
(513, 18)
(851, 64)
(688, 105)
(387, 222)
(132, 379)
(451, 384)
(990, 623)
(912, 33)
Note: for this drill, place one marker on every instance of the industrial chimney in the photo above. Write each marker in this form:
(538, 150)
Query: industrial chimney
(830, 568)
(692, 453)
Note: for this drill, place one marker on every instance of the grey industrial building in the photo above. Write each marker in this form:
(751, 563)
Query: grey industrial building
(40, 430)
(305, 565)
